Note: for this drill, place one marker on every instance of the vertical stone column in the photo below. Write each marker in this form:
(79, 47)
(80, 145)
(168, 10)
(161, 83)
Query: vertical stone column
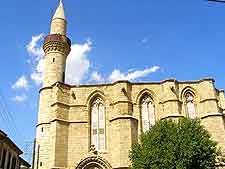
(170, 103)
(123, 135)
(123, 126)
(212, 118)
(222, 100)
(42, 129)
(59, 144)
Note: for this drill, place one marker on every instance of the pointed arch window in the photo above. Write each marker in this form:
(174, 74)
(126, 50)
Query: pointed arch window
(190, 105)
(98, 124)
(147, 113)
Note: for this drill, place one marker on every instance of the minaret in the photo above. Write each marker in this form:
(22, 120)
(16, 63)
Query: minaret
(56, 47)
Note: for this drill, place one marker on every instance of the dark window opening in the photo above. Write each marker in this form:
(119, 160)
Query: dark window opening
(63, 77)
(1, 149)
(42, 129)
(53, 60)
(13, 166)
(3, 158)
(9, 161)
(41, 164)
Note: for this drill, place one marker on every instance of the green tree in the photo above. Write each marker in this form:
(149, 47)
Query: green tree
(181, 144)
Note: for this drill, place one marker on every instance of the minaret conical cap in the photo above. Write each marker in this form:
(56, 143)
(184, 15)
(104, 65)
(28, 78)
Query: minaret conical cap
(60, 11)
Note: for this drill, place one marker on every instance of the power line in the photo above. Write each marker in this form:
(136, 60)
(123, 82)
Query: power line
(6, 120)
(28, 150)
(8, 116)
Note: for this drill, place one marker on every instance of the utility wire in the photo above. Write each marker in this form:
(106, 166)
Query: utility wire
(5, 121)
(9, 116)
(28, 151)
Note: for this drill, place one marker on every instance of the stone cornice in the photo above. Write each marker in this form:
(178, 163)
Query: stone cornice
(61, 120)
(121, 101)
(67, 105)
(40, 124)
(172, 115)
(208, 99)
(122, 117)
(45, 88)
(171, 100)
(210, 114)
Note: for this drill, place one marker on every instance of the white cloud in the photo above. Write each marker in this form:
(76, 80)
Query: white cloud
(117, 75)
(35, 50)
(77, 62)
(21, 83)
(145, 40)
(95, 76)
(133, 75)
(19, 98)
(77, 65)
(37, 74)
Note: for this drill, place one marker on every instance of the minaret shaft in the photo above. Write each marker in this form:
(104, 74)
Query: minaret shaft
(56, 48)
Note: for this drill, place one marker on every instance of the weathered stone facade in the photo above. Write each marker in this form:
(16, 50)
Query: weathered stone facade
(64, 129)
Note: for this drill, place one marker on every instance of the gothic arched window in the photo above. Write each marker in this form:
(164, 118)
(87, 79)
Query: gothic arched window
(147, 113)
(190, 105)
(98, 124)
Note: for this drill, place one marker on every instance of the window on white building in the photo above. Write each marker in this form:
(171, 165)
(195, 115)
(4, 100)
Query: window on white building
(98, 124)
(147, 113)
(190, 105)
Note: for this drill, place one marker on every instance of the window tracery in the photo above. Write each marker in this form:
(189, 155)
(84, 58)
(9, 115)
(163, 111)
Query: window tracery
(147, 113)
(190, 105)
(98, 124)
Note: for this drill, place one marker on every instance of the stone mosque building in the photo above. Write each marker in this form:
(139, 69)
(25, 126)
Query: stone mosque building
(94, 126)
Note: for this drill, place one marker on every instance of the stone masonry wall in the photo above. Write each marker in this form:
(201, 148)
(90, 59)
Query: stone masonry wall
(68, 115)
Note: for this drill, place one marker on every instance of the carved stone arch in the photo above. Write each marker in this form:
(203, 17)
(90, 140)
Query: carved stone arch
(93, 162)
(191, 90)
(94, 95)
(146, 101)
(144, 92)
(190, 98)
(97, 99)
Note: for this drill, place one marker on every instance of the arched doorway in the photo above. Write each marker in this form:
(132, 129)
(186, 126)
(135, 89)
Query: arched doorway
(93, 166)
(94, 162)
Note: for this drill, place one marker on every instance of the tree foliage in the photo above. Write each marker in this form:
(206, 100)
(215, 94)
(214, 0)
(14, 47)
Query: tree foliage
(181, 144)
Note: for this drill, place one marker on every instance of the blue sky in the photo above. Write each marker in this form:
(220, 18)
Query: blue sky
(140, 40)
